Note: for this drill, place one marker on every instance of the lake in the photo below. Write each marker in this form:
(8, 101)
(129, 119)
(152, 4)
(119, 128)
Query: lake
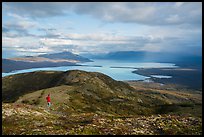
(118, 70)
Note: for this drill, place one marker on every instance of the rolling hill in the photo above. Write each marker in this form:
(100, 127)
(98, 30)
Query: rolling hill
(93, 103)
(87, 91)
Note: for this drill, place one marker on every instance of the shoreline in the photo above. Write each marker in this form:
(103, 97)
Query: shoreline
(13, 71)
(187, 77)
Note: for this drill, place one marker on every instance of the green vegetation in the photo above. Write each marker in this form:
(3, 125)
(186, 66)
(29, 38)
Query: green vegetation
(92, 103)
(28, 120)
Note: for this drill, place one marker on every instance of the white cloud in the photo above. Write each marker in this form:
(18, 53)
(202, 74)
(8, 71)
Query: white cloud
(18, 26)
(17, 42)
(173, 19)
(165, 24)
(151, 47)
(179, 4)
(55, 42)
(35, 50)
(20, 21)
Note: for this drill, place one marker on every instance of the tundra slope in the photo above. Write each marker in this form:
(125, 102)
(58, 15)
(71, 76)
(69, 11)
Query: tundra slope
(93, 103)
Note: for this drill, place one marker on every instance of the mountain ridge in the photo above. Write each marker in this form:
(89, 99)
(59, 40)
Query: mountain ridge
(47, 79)
(65, 55)
(46, 60)
(180, 59)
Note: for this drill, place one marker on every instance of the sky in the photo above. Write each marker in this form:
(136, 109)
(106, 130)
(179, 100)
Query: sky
(33, 28)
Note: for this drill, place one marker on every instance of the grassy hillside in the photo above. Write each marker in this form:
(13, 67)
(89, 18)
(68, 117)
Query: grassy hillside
(79, 90)
(16, 85)
(93, 103)
(20, 84)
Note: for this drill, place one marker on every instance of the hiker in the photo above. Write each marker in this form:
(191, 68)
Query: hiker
(48, 100)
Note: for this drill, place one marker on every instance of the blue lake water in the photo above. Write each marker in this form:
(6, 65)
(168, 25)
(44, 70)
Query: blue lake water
(109, 67)
(161, 76)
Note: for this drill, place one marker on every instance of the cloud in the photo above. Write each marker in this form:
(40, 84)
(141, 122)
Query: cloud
(149, 13)
(168, 26)
(179, 4)
(49, 33)
(54, 40)
(21, 22)
(76, 43)
(5, 30)
(35, 50)
(98, 43)
(36, 9)
(117, 12)
(18, 26)
(173, 19)
(143, 13)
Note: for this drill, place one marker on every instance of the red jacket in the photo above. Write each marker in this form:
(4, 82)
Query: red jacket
(48, 98)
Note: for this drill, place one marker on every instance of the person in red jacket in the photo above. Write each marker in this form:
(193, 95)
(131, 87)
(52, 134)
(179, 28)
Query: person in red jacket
(48, 100)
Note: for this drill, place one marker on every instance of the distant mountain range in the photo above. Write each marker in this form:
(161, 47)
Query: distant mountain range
(66, 55)
(142, 56)
(68, 58)
(46, 60)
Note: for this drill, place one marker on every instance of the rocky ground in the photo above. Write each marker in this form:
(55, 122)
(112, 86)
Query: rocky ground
(21, 119)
